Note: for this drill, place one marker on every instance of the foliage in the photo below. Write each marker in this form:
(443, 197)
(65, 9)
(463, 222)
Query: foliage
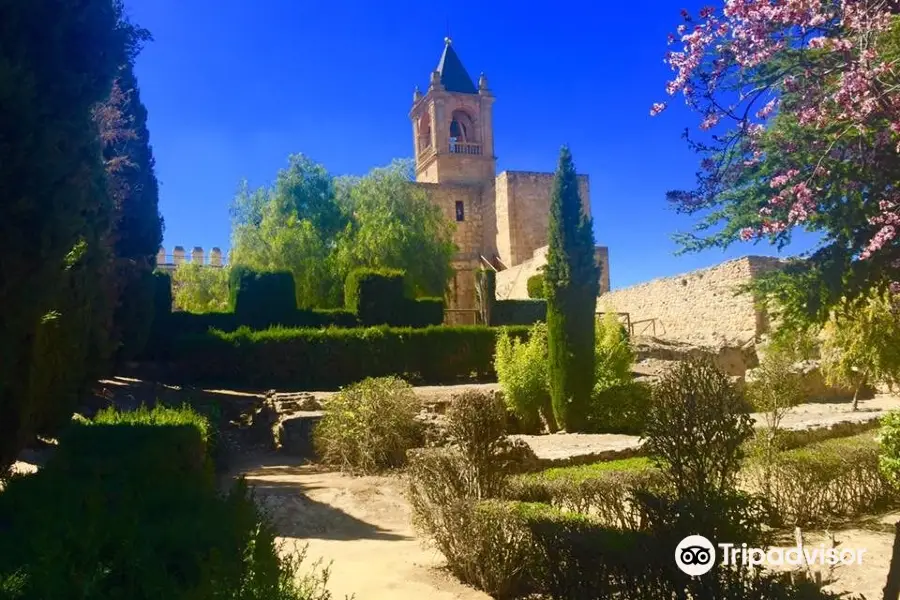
(136, 312)
(572, 282)
(695, 430)
(200, 289)
(321, 228)
(262, 296)
(521, 367)
(862, 342)
(55, 201)
(476, 425)
(535, 286)
(518, 312)
(369, 426)
(620, 408)
(822, 482)
(800, 100)
(106, 540)
(486, 293)
(614, 357)
(376, 296)
(889, 440)
(606, 490)
(330, 358)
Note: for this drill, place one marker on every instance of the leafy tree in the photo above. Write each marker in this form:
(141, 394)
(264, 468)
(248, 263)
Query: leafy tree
(535, 286)
(321, 228)
(572, 283)
(57, 60)
(200, 289)
(395, 226)
(862, 343)
(801, 97)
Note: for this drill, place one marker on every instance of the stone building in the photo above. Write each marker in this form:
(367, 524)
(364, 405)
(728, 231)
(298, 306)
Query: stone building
(501, 220)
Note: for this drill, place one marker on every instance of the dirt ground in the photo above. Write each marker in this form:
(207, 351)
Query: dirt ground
(361, 525)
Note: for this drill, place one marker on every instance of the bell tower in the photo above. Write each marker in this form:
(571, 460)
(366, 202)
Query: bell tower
(453, 133)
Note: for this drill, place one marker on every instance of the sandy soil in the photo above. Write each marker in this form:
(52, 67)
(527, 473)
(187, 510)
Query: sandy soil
(361, 525)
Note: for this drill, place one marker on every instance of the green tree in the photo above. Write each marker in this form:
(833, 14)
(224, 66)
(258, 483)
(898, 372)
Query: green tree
(862, 342)
(395, 226)
(57, 60)
(200, 289)
(572, 283)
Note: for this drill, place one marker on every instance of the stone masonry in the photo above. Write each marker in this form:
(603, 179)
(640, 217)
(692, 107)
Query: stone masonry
(501, 220)
(700, 307)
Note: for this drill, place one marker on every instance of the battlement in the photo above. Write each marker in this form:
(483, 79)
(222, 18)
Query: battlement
(197, 256)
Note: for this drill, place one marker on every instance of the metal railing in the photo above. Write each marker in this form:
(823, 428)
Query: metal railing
(465, 148)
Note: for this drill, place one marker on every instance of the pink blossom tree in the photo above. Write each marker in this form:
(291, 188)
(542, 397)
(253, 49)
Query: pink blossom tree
(800, 104)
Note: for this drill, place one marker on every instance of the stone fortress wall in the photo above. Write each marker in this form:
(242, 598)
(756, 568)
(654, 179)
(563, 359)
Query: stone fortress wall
(169, 262)
(512, 284)
(701, 307)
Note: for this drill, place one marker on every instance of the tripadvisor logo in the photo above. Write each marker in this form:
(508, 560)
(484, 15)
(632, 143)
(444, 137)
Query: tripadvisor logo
(696, 555)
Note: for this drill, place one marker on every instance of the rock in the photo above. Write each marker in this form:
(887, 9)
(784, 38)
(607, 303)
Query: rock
(815, 387)
(295, 434)
(262, 426)
(518, 456)
(294, 402)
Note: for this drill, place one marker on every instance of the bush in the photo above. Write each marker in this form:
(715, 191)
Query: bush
(262, 298)
(695, 429)
(106, 539)
(134, 317)
(820, 482)
(331, 358)
(614, 358)
(376, 296)
(518, 312)
(605, 490)
(536, 287)
(423, 312)
(522, 372)
(369, 426)
(889, 439)
(620, 409)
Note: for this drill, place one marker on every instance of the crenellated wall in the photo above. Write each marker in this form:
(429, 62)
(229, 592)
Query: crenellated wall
(169, 262)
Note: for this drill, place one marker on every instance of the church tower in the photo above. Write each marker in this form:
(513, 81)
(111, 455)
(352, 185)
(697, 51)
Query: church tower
(453, 132)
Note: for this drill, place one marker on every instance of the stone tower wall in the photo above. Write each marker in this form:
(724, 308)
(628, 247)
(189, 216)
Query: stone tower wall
(523, 212)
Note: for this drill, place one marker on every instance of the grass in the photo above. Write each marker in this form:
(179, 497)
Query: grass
(159, 415)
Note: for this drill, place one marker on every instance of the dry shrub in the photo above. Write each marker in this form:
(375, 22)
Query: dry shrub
(818, 483)
(369, 426)
(608, 497)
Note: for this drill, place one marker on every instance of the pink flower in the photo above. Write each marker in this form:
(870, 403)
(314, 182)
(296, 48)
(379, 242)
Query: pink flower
(657, 108)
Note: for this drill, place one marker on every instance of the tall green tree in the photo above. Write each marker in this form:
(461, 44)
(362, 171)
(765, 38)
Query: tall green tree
(57, 60)
(200, 289)
(572, 283)
(321, 228)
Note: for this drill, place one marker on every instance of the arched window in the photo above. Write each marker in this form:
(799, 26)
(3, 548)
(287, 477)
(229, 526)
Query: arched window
(462, 128)
(458, 131)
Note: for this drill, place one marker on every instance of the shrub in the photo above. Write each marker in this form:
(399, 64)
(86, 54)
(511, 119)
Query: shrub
(376, 296)
(330, 358)
(106, 539)
(423, 312)
(620, 409)
(695, 429)
(134, 317)
(522, 372)
(201, 288)
(369, 426)
(476, 424)
(822, 481)
(518, 312)
(262, 297)
(889, 459)
(605, 490)
(535, 287)
(614, 358)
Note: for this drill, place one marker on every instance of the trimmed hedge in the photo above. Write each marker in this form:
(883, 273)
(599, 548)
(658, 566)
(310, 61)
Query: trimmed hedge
(260, 298)
(535, 286)
(127, 508)
(331, 358)
(824, 481)
(518, 312)
(376, 296)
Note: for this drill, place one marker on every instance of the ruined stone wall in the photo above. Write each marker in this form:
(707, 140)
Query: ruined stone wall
(512, 284)
(698, 307)
(523, 210)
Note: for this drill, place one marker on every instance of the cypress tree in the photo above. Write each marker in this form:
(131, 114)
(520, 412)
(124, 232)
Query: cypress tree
(572, 283)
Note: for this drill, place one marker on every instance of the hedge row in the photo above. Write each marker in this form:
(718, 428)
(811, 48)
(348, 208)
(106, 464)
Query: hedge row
(515, 549)
(518, 312)
(331, 358)
(127, 507)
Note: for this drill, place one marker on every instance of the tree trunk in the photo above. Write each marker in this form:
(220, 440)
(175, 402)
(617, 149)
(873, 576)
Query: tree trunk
(859, 386)
(892, 587)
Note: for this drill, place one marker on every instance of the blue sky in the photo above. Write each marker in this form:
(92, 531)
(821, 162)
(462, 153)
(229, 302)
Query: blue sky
(233, 87)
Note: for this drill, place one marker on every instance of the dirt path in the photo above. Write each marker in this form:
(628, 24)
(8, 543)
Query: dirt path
(359, 524)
